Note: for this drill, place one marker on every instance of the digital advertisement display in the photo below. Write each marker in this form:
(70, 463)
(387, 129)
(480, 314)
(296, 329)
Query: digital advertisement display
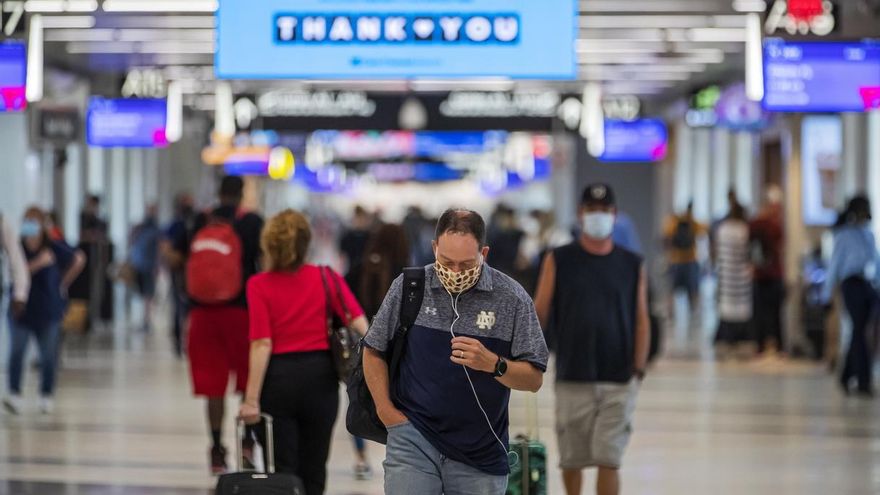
(126, 123)
(13, 76)
(821, 76)
(643, 140)
(396, 39)
(821, 156)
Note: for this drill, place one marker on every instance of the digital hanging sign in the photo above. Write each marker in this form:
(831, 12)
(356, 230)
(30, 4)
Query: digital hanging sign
(642, 140)
(396, 39)
(13, 76)
(126, 123)
(821, 76)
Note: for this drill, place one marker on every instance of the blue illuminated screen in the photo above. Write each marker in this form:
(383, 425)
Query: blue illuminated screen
(821, 76)
(643, 140)
(126, 123)
(13, 76)
(352, 39)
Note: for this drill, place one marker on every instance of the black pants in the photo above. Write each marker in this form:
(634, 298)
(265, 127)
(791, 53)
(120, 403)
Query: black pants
(860, 299)
(769, 296)
(301, 393)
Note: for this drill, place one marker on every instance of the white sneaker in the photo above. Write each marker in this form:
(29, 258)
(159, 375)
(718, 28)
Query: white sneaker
(13, 404)
(47, 405)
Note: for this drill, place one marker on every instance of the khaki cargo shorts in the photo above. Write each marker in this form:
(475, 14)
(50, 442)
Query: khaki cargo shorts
(594, 423)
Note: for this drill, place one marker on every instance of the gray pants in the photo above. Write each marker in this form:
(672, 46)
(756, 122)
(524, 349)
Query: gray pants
(413, 465)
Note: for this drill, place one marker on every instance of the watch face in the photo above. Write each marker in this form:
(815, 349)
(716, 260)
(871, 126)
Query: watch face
(501, 367)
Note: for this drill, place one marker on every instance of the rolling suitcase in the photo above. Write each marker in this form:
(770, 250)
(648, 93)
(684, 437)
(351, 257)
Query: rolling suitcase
(267, 483)
(529, 475)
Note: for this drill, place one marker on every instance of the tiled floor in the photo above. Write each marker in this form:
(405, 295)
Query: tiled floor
(126, 424)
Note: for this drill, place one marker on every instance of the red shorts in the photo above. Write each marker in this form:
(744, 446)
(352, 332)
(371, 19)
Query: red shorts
(218, 345)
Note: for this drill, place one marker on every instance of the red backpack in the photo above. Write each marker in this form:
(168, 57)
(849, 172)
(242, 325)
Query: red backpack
(213, 271)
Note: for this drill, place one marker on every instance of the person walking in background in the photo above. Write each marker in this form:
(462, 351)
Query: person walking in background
(855, 268)
(10, 246)
(387, 254)
(53, 267)
(625, 233)
(767, 238)
(218, 330)
(182, 225)
(144, 259)
(595, 292)
(419, 232)
(354, 239)
(384, 259)
(506, 239)
(292, 376)
(680, 235)
(734, 270)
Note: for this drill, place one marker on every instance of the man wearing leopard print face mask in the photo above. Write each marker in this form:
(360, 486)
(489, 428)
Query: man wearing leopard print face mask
(476, 338)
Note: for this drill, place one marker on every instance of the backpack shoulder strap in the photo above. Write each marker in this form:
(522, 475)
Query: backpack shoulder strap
(411, 296)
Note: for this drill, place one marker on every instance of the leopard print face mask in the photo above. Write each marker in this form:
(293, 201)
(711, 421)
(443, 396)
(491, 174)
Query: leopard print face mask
(458, 282)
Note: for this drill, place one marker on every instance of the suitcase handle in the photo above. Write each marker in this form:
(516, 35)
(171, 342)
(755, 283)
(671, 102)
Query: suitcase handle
(270, 444)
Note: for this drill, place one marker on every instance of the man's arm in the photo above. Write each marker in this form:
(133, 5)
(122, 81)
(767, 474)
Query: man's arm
(545, 292)
(376, 375)
(520, 375)
(643, 326)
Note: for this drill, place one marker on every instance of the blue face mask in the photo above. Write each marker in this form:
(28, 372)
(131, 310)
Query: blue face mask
(30, 228)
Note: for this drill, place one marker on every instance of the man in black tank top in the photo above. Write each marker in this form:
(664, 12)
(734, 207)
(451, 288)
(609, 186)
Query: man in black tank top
(593, 296)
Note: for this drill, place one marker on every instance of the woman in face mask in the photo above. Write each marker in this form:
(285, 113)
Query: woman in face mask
(53, 267)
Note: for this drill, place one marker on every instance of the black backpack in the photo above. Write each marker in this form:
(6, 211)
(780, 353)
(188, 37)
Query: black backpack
(361, 419)
(684, 237)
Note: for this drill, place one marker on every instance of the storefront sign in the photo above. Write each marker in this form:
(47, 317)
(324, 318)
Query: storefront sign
(11, 18)
(801, 17)
(144, 83)
(315, 104)
(13, 76)
(352, 39)
(59, 125)
(467, 104)
(625, 108)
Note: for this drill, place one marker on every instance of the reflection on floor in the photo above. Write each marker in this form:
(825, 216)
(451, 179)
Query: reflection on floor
(126, 424)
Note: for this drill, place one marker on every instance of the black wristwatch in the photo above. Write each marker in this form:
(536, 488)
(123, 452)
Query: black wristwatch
(500, 367)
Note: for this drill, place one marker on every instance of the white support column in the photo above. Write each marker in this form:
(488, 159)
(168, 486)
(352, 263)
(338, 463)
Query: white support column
(684, 160)
(117, 204)
(873, 186)
(46, 192)
(853, 157)
(97, 171)
(72, 193)
(745, 169)
(721, 180)
(136, 193)
(702, 185)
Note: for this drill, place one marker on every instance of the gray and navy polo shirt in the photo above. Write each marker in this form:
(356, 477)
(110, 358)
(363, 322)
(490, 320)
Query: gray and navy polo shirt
(432, 391)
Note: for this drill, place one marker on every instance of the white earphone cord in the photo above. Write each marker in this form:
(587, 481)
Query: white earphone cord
(473, 389)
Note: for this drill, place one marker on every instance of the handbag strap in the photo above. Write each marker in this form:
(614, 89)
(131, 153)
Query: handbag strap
(327, 308)
(327, 272)
(339, 297)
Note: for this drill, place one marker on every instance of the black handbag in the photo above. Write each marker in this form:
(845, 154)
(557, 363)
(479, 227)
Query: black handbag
(268, 483)
(361, 418)
(343, 342)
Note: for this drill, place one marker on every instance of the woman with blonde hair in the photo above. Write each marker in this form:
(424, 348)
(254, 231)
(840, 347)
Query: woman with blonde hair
(292, 376)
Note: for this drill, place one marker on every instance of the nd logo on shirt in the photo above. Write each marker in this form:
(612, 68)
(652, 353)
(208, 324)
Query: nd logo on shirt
(486, 320)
